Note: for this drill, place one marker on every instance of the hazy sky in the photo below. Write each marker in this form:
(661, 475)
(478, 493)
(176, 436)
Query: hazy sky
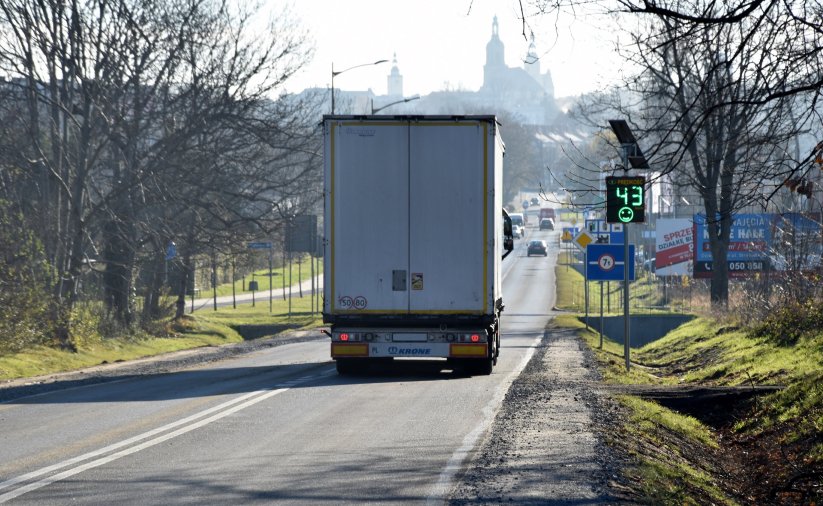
(441, 44)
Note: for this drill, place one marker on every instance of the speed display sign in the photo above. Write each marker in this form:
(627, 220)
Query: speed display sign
(625, 199)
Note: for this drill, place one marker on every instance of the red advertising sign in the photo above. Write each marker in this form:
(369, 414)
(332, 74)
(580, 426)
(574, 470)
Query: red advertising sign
(675, 247)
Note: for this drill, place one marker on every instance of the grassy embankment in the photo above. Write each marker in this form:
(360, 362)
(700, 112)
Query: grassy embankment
(680, 460)
(205, 327)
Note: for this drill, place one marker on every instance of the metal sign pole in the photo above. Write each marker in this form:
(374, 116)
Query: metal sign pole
(601, 315)
(626, 333)
(586, 286)
(271, 284)
(626, 260)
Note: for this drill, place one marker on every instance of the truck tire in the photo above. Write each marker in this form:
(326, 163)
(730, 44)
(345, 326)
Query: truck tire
(347, 366)
(479, 366)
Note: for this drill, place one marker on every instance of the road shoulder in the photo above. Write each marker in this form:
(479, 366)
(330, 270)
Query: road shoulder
(544, 445)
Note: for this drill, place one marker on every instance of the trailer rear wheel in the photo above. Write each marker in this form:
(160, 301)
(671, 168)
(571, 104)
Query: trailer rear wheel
(479, 366)
(347, 366)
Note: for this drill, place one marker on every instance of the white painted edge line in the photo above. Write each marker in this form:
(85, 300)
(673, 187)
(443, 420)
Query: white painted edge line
(223, 410)
(438, 494)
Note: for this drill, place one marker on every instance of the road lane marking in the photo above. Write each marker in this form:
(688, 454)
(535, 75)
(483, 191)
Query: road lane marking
(222, 410)
(444, 482)
(134, 449)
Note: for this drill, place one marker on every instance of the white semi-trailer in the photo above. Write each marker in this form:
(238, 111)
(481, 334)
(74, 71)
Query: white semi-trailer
(414, 233)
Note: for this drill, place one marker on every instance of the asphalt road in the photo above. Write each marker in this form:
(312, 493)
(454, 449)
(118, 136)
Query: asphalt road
(274, 426)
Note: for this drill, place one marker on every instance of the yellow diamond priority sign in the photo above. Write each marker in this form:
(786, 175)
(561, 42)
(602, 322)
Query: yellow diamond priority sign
(583, 239)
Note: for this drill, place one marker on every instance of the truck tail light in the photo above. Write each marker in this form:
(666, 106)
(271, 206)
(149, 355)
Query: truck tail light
(475, 338)
(344, 336)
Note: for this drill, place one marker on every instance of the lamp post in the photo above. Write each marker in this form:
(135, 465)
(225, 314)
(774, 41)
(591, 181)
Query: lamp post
(378, 109)
(338, 72)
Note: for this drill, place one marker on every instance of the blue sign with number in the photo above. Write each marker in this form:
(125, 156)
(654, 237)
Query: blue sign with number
(605, 262)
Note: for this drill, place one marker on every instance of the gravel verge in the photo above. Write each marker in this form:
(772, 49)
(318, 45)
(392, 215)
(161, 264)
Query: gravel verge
(546, 444)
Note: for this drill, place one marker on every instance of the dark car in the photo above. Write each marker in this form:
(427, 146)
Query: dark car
(546, 224)
(537, 248)
(535, 201)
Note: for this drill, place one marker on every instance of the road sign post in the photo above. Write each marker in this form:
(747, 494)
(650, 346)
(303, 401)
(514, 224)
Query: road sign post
(268, 246)
(626, 312)
(582, 240)
(613, 262)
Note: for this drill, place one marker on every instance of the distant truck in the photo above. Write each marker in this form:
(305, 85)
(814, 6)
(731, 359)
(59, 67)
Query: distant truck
(546, 212)
(414, 233)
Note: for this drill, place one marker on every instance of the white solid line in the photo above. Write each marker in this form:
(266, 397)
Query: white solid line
(125, 442)
(438, 494)
(264, 394)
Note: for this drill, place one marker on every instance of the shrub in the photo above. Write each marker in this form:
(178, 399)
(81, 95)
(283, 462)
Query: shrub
(23, 276)
(786, 324)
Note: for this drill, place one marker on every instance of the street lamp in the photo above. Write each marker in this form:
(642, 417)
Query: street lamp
(375, 111)
(338, 72)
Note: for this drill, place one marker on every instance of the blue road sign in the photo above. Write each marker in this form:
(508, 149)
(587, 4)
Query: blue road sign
(171, 251)
(605, 262)
(605, 233)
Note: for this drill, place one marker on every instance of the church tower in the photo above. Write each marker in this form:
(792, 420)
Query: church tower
(395, 80)
(495, 59)
(532, 62)
(532, 66)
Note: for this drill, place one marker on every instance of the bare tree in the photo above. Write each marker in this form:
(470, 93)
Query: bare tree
(787, 34)
(703, 125)
(135, 114)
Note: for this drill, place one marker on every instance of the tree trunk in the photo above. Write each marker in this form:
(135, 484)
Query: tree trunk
(154, 290)
(186, 271)
(117, 278)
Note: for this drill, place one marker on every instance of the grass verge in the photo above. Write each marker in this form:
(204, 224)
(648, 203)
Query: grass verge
(300, 271)
(766, 451)
(204, 328)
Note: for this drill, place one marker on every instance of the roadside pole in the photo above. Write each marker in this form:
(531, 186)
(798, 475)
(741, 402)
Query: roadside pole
(586, 286)
(271, 283)
(311, 260)
(601, 315)
(262, 245)
(626, 259)
(624, 200)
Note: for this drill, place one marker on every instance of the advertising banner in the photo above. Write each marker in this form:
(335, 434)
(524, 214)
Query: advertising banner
(749, 244)
(674, 247)
(796, 242)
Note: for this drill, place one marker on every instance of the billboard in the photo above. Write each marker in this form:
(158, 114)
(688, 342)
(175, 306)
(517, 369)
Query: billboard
(750, 239)
(674, 249)
(796, 242)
